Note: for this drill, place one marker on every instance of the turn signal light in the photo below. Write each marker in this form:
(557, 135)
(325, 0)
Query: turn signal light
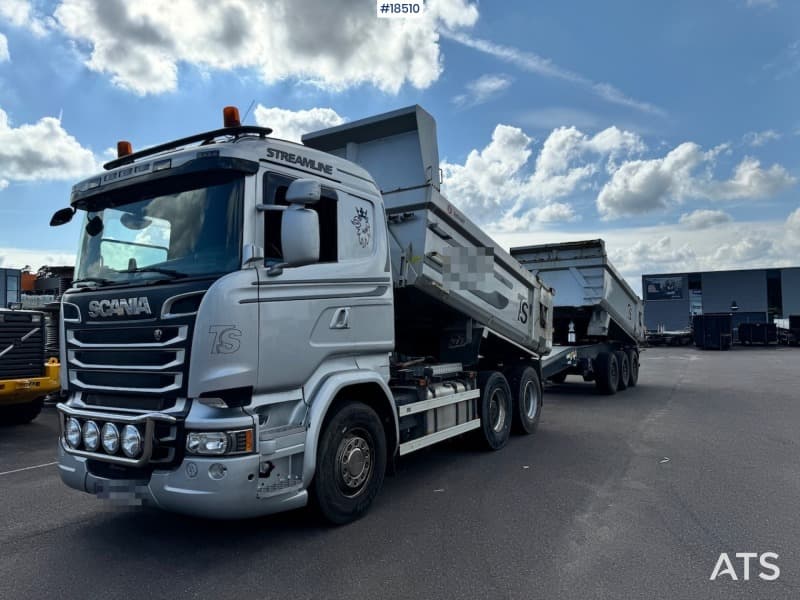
(124, 148)
(230, 116)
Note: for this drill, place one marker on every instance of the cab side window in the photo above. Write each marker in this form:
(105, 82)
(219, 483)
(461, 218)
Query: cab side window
(275, 187)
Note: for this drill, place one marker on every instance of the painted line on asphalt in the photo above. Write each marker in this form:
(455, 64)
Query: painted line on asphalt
(29, 468)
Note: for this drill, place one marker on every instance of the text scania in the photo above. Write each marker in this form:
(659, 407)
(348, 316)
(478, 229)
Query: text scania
(119, 307)
(303, 161)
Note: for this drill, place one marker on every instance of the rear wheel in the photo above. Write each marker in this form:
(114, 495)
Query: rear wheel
(527, 395)
(606, 373)
(624, 369)
(633, 360)
(351, 463)
(20, 414)
(495, 409)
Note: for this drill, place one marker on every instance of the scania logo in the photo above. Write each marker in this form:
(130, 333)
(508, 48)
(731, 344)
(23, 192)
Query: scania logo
(119, 307)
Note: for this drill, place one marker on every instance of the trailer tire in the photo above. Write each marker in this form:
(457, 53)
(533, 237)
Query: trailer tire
(607, 373)
(527, 392)
(495, 409)
(624, 369)
(343, 491)
(21, 414)
(633, 360)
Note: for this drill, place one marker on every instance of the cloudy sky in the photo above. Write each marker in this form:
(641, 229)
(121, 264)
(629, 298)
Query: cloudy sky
(671, 129)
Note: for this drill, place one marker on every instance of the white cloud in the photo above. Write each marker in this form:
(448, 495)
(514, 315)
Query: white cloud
(330, 43)
(21, 13)
(42, 150)
(759, 138)
(292, 124)
(494, 186)
(539, 65)
(3, 184)
(4, 55)
(483, 89)
(14, 258)
(643, 186)
(703, 219)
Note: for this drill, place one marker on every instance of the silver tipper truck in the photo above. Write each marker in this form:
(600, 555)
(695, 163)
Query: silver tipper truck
(598, 319)
(256, 324)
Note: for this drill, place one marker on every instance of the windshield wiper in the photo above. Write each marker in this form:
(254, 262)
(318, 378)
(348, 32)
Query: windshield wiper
(171, 272)
(100, 280)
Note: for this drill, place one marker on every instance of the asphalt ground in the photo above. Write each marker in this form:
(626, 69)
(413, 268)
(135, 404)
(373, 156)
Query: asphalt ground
(627, 496)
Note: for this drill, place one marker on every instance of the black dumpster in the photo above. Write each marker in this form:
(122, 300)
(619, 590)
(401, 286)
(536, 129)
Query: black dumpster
(758, 333)
(713, 331)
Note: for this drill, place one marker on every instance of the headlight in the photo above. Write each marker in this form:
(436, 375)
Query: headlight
(220, 442)
(73, 433)
(110, 438)
(207, 442)
(91, 436)
(131, 441)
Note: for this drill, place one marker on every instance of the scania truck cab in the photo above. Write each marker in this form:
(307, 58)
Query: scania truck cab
(251, 326)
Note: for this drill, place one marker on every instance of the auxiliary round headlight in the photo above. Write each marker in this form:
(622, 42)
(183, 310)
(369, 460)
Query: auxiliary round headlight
(91, 436)
(72, 432)
(131, 441)
(110, 438)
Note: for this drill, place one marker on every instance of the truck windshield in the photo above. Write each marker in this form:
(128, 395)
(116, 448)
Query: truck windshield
(182, 228)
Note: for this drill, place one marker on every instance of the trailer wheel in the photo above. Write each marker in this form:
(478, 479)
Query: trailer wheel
(633, 360)
(559, 377)
(527, 392)
(495, 409)
(624, 369)
(351, 463)
(21, 414)
(607, 373)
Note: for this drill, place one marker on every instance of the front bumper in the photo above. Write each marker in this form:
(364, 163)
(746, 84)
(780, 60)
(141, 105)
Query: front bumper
(188, 489)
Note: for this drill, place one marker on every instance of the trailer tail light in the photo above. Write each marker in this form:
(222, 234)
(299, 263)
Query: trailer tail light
(230, 116)
(124, 148)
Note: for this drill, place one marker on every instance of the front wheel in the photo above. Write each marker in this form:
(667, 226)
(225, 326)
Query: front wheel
(351, 463)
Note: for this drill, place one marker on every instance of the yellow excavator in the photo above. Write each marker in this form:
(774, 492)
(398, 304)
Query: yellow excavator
(27, 374)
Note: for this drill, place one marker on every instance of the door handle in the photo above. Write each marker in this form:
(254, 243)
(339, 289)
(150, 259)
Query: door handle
(341, 318)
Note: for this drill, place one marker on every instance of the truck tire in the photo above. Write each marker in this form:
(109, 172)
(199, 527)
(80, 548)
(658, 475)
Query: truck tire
(351, 463)
(527, 393)
(559, 377)
(21, 414)
(624, 369)
(495, 409)
(607, 373)
(633, 360)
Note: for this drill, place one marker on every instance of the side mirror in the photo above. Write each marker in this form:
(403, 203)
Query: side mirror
(304, 191)
(62, 217)
(300, 236)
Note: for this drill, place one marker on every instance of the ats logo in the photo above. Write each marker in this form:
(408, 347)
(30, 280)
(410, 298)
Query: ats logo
(225, 339)
(725, 568)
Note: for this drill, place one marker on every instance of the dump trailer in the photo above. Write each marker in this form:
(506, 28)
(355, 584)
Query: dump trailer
(598, 324)
(27, 375)
(256, 324)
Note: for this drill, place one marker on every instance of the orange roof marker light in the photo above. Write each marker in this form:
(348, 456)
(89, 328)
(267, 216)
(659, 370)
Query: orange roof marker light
(124, 148)
(230, 116)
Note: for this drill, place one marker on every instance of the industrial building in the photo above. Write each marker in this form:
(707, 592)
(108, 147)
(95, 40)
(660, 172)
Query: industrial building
(750, 296)
(9, 286)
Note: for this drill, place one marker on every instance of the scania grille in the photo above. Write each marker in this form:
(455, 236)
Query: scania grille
(121, 362)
